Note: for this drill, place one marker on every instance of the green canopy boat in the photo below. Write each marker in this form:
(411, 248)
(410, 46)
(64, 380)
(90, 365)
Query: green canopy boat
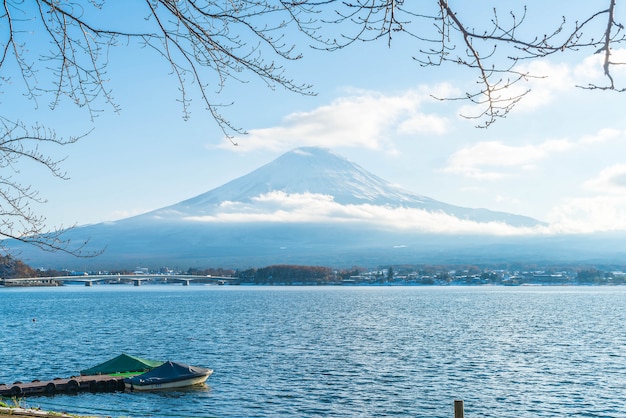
(122, 364)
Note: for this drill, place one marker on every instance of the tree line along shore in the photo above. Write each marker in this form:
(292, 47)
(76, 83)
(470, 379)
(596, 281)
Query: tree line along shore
(287, 274)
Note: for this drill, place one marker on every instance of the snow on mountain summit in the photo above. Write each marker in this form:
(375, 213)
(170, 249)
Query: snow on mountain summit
(315, 185)
(309, 170)
(307, 206)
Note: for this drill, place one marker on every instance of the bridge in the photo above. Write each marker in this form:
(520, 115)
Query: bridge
(135, 279)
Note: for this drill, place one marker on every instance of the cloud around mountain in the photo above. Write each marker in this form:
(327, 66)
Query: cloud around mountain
(311, 206)
(281, 207)
(315, 185)
(377, 115)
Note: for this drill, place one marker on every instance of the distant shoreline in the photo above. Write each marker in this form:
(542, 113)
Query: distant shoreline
(451, 284)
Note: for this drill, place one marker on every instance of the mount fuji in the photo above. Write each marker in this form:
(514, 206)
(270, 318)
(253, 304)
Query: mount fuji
(309, 206)
(316, 183)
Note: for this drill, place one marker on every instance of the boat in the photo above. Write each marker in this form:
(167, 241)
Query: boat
(169, 375)
(122, 365)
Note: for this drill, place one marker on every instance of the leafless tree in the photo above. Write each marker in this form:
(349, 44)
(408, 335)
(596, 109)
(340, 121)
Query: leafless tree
(20, 144)
(491, 46)
(207, 43)
(231, 37)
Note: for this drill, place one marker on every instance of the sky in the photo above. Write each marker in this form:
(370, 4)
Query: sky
(559, 156)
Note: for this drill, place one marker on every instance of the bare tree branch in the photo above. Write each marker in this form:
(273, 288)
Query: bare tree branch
(493, 50)
(19, 145)
(229, 39)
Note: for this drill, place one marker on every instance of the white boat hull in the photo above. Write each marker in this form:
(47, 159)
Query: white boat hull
(170, 385)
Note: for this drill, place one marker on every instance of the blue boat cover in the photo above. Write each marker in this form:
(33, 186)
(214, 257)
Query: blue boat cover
(166, 373)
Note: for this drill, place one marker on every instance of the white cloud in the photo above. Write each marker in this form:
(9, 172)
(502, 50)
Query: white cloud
(604, 135)
(547, 81)
(423, 124)
(480, 161)
(494, 160)
(611, 180)
(592, 214)
(551, 80)
(364, 120)
(278, 206)
(574, 216)
(542, 86)
(591, 69)
(606, 211)
(556, 78)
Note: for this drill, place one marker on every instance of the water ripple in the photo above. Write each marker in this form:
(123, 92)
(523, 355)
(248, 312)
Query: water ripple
(331, 351)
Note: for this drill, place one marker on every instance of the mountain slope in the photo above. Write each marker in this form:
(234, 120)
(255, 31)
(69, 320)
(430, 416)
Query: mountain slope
(319, 172)
(310, 206)
(313, 170)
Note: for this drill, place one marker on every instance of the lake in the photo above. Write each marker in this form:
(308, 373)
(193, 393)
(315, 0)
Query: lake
(330, 351)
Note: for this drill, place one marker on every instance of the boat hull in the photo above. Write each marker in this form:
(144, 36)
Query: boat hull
(195, 380)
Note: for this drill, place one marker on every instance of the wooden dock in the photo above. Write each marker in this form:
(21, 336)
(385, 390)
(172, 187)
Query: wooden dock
(74, 384)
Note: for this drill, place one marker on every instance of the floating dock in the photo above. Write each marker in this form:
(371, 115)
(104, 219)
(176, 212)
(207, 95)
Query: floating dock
(74, 384)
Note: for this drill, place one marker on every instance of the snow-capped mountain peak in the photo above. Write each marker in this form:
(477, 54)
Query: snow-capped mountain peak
(307, 170)
(311, 206)
(313, 184)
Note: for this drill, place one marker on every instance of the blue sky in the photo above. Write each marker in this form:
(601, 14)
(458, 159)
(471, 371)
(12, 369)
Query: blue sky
(558, 157)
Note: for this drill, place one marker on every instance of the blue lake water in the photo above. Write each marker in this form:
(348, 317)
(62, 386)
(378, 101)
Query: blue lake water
(330, 351)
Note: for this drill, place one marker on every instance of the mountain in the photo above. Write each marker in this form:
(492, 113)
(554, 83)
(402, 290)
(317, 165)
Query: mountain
(320, 173)
(310, 206)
